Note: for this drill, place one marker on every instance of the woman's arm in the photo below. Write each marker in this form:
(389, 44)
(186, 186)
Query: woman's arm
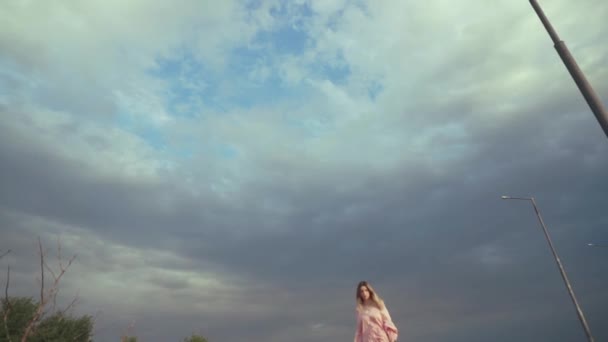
(389, 327)
(358, 329)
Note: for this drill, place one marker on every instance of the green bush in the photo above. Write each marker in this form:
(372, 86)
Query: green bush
(195, 338)
(52, 328)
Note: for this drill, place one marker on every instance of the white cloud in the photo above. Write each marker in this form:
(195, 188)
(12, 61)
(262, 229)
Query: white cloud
(327, 8)
(103, 150)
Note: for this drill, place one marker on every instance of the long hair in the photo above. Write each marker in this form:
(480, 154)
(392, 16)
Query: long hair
(373, 296)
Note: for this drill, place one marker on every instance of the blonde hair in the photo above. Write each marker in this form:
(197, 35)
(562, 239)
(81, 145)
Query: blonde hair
(373, 296)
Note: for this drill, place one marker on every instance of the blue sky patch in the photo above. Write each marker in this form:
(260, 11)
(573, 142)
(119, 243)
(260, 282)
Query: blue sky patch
(285, 40)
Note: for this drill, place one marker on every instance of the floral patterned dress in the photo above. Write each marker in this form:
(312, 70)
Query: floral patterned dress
(375, 325)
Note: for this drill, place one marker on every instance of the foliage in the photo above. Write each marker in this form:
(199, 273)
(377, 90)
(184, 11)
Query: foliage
(53, 328)
(128, 339)
(59, 327)
(20, 312)
(195, 338)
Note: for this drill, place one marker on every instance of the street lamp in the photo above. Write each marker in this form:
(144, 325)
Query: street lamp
(562, 271)
(579, 78)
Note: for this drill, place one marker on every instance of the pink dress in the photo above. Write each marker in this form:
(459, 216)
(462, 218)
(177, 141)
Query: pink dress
(375, 325)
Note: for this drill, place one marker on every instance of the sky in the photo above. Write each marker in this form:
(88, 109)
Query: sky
(235, 168)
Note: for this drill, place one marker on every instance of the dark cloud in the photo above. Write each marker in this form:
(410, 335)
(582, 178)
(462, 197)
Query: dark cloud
(404, 227)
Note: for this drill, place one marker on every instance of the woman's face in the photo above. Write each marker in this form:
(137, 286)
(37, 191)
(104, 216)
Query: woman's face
(364, 293)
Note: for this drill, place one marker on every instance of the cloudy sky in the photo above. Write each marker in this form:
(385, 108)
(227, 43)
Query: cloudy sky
(234, 168)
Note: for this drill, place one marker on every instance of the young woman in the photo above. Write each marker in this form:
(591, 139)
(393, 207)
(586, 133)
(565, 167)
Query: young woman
(374, 323)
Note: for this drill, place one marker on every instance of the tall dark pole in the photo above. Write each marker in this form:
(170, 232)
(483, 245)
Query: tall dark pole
(579, 311)
(583, 85)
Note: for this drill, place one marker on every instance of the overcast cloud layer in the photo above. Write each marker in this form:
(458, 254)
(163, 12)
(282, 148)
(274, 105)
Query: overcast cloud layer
(234, 168)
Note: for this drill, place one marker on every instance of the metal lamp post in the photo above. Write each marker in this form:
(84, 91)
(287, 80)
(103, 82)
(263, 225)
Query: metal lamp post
(579, 78)
(562, 271)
